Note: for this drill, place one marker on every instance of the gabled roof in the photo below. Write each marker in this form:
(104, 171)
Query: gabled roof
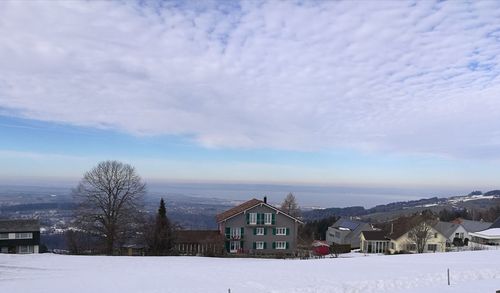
(246, 206)
(445, 228)
(19, 226)
(496, 224)
(492, 233)
(374, 235)
(472, 226)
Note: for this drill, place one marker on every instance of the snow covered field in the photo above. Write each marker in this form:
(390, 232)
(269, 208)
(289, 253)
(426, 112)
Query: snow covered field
(473, 271)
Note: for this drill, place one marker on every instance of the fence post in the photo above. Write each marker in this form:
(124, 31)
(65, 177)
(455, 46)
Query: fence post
(448, 276)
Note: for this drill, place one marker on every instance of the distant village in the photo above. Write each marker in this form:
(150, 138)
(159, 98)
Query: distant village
(256, 228)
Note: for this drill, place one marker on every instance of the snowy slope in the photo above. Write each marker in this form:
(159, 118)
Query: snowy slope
(477, 271)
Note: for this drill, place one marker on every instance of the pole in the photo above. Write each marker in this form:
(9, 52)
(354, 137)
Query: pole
(448, 276)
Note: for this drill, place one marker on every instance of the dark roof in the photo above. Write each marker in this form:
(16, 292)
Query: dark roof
(238, 209)
(445, 228)
(496, 224)
(347, 224)
(197, 236)
(19, 226)
(374, 235)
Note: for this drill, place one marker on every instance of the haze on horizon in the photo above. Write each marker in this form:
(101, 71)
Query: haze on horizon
(396, 94)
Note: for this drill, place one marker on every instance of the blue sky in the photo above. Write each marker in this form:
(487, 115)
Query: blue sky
(391, 94)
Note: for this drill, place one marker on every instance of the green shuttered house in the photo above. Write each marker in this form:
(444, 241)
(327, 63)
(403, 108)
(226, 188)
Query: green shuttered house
(256, 227)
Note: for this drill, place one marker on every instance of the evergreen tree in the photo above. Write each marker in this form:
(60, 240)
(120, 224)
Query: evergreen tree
(161, 240)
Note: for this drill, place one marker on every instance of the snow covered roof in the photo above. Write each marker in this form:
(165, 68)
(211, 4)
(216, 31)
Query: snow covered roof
(492, 233)
(347, 224)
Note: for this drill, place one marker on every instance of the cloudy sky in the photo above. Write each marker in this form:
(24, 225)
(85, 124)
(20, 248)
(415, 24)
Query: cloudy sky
(364, 93)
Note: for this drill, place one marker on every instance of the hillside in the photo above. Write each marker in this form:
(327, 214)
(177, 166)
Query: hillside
(470, 272)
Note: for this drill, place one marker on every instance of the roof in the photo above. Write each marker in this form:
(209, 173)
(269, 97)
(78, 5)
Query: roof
(19, 226)
(343, 224)
(246, 206)
(238, 209)
(472, 226)
(445, 228)
(197, 236)
(492, 233)
(374, 235)
(318, 243)
(496, 224)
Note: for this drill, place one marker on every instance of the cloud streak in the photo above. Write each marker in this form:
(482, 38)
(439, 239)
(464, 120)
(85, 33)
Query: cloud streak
(411, 77)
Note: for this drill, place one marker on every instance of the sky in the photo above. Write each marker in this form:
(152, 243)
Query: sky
(350, 93)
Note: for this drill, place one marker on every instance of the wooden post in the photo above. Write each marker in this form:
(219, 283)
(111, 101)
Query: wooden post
(448, 277)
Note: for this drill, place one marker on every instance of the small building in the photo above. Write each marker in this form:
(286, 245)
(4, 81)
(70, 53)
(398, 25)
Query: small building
(400, 240)
(490, 236)
(347, 231)
(256, 227)
(199, 242)
(470, 226)
(19, 236)
(450, 231)
(320, 247)
(374, 242)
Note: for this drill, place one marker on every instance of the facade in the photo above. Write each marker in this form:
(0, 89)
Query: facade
(199, 242)
(374, 242)
(19, 236)
(401, 242)
(255, 227)
(347, 231)
(490, 236)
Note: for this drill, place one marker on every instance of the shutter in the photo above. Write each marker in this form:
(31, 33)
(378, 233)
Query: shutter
(242, 231)
(241, 245)
(255, 245)
(287, 231)
(248, 218)
(265, 231)
(274, 245)
(273, 220)
(274, 231)
(254, 231)
(228, 232)
(227, 246)
(265, 245)
(287, 245)
(259, 218)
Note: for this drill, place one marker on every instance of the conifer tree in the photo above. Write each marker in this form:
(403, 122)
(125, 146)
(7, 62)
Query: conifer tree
(161, 242)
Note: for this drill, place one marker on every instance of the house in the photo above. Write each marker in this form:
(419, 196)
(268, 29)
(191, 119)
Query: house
(400, 240)
(347, 231)
(19, 236)
(199, 242)
(257, 227)
(374, 242)
(490, 236)
(451, 230)
(470, 226)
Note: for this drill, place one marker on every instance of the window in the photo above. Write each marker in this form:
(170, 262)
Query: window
(281, 231)
(25, 249)
(431, 247)
(260, 231)
(235, 233)
(411, 247)
(24, 235)
(435, 235)
(234, 246)
(252, 218)
(4, 235)
(268, 218)
(259, 245)
(280, 245)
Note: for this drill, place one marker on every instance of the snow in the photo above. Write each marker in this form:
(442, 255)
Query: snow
(493, 233)
(471, 271)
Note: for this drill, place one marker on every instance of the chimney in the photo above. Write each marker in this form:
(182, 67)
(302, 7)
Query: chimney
(265, 199)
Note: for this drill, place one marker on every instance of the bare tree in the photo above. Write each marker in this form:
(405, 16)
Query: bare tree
(290, 205)
(420, 234)
(110, 198)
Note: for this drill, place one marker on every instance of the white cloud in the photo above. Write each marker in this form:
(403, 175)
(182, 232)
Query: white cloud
(399, 76)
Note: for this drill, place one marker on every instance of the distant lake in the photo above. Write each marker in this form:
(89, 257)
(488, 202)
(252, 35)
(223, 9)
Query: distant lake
(307, 196)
